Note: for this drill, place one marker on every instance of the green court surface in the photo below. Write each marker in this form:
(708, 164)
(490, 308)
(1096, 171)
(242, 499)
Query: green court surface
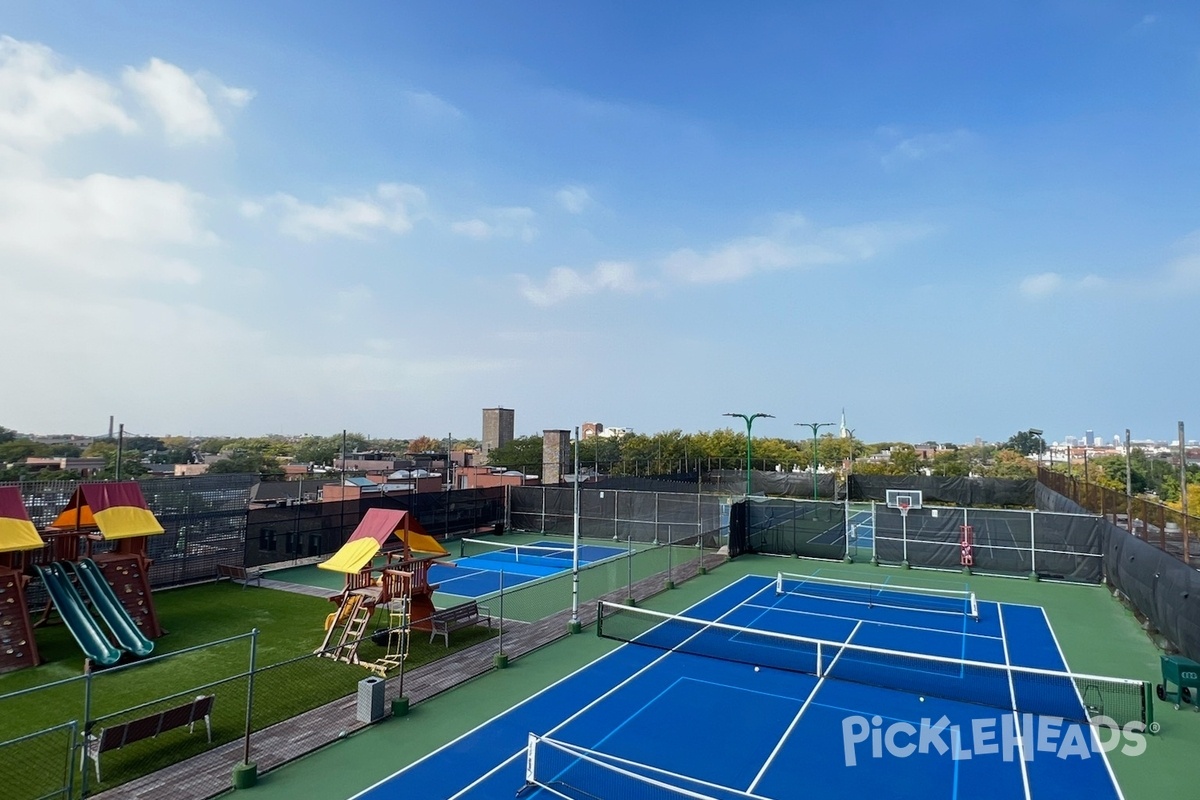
(1097, 635)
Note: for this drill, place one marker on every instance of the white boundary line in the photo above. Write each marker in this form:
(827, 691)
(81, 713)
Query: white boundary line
(958, 633)
(535, 696)
(1012, 691)
(808, 701)
(1095, 735)
(602, 759)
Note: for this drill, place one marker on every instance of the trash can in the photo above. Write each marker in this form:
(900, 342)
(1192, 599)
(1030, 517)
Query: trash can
(370, 700)
(1184, 674)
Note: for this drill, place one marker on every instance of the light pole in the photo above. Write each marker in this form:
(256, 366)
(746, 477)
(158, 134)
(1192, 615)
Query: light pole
(815, 427)
(749, 418)
(850, 469)
(1041, 446)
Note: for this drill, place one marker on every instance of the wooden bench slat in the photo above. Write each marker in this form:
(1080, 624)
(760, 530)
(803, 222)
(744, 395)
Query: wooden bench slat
(114, 737)
(447, 620)
(236, 572)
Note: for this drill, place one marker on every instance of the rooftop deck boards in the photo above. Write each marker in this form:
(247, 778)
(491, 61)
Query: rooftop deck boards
(209, 774)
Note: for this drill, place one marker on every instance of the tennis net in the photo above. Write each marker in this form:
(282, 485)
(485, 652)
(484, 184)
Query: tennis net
(1071, 696)
(540, 555)
(918, 598)
(577, 773)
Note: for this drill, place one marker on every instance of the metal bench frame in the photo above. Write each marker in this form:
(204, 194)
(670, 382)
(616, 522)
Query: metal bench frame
(443, 622)
(236, 572)
(114, 737)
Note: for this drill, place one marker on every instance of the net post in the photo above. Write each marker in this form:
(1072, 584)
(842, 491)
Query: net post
(779, 584)
(820, 671)
(531, 760)
(1148, 707)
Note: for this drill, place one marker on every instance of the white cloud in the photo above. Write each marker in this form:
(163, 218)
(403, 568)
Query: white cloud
(429, 106)
(101, 226)
(392, 208)
(1040, 286)
(515, 222)
(180, 102)
(564, 283)
(573, 198)
(474, 228)
(42, 104)
(923, 146)
(795, 244)
(1048, 284)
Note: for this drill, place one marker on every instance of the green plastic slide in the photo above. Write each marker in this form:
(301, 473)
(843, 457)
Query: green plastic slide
(106, 603)
(74, 613)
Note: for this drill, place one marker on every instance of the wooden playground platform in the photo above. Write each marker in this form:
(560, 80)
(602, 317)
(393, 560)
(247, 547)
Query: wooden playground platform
(210, 774)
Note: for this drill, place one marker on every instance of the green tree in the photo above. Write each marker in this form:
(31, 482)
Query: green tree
(950, 463)
(1025, 443)
(131, 462)
(904, 460)
(523, 453)
(1010, 464)
(247, 461)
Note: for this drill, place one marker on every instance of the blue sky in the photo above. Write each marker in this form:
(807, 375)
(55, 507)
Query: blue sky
(951, 219)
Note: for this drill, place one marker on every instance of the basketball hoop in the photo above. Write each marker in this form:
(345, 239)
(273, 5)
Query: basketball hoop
(903, 505)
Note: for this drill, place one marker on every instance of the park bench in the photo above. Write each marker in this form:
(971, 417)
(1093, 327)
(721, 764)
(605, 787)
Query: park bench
(236, 572)
(456, 617)
(114, 737)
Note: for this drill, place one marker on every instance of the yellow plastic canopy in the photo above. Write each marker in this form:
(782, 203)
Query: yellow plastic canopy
(17, 532)
(371, 534)
(117, 510)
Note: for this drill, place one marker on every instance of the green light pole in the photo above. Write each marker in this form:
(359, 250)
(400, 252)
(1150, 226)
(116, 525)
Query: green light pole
(749, 422)
(816, 426)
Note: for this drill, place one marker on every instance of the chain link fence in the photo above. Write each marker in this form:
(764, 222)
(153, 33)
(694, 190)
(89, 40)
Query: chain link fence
(1051, 545)
(1153, 522)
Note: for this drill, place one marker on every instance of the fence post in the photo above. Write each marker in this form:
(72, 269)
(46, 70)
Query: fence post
(670, 581)
(87, 724)
(629, 558)
(1033, 545)
(245, 774)
(500, 660)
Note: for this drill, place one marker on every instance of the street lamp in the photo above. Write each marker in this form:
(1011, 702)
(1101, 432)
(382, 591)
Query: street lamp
(749, 422)
(1041, 445)
(815, 427)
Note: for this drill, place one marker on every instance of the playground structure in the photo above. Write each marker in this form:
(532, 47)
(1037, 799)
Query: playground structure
(400, 588)
(18, 647)
(92, 564)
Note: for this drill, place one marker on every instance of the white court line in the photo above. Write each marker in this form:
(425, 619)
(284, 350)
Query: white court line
(436, 753)
(1095, 734)
(520, 754)
(1012, 692)
(796, 720)
(873, 622)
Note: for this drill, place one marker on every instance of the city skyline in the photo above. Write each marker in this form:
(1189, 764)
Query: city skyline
(956, 222)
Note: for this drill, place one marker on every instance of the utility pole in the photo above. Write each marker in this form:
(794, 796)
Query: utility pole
(1183, 493)
(1128, 487)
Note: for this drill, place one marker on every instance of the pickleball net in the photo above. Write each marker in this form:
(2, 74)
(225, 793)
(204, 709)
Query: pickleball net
(913, 598)
(1026, 690)
(539, 555)
(578, 773)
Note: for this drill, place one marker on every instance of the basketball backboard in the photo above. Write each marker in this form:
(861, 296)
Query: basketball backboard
(905, 499)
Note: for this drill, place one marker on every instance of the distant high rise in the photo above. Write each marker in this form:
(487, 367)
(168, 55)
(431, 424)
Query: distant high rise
(498, 426)
(556, 456)
(1089, 438)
